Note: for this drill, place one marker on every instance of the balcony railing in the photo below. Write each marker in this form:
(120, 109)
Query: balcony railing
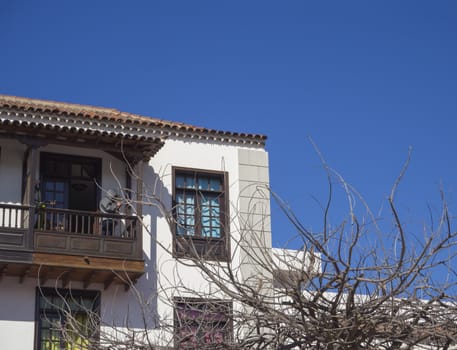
(69, 231)
(14, 217)
(85, 223)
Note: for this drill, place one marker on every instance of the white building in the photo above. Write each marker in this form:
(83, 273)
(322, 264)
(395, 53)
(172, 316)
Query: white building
(194, 188)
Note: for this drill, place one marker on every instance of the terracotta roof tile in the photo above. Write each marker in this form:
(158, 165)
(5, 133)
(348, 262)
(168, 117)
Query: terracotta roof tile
(114, 115)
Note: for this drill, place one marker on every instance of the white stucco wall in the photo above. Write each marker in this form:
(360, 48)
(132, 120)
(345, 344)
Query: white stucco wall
(17, 300)
(113, 170)
(11, 158)
(156, 287)
(17, 313)
(204, 156)
(11, 171)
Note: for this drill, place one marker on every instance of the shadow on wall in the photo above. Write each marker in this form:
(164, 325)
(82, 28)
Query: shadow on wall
(138, 307)
(12, 154)
(17, 304)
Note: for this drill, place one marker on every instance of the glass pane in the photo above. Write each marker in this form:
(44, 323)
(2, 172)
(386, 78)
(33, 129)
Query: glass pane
(190, 182)
(50, 167)
(48, 196)
(50, 344)
(60, 186)
(45, 321)
(87, 304)
(218, 337)
(203, 183)
(179, 181)
(51, 303)
(215, 184)
(205, 221)
(181, 219)
(73, 305)
(88, 170)
(181, 230)
(215, 222)
(59, 197)
(210, 199)
(200, 196)
(76, 170)
(54, 316)
(206, 232)
(216, 232)
(43, 303)
(61, 169)
(50, 328)
(46, 302)
(206, 211)
(190, 210)
(45, 333)
(190, 221)
(215, 211)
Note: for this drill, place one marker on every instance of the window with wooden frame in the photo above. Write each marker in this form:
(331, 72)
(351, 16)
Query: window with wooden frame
(202, 324)
(200, 202)
(66, 319)
(68, 182)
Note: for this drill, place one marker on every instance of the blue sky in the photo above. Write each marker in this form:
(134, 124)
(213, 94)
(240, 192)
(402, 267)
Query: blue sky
(364, 79)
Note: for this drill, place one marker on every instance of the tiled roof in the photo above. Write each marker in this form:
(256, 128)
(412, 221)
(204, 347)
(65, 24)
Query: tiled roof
(82, 117)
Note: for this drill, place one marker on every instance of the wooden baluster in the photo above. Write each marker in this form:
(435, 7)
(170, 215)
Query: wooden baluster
(2, 223)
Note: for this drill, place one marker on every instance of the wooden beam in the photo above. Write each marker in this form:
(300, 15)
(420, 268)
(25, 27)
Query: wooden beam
(128, 185)
(88, 263)
(44, 274)
(139, 188)
(24, 274)
(128, 284)
(3, 270)
(32, 141)
(25, 161)
(42, 137)
(31, 182)
(65, 278)
(88, 279)
(139, 209)
(129, 280)
(109, 280)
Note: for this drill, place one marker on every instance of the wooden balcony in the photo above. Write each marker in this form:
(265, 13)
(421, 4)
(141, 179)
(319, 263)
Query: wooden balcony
(51, 243)
(206, 248)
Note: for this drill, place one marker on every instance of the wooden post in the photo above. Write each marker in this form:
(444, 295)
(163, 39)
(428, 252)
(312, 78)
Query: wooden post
(139, 208)
(128, 185)
(30, 192)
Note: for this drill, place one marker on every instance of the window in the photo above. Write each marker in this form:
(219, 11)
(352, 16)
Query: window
(68, 182)
(200, 213)
(63, 319)
(202, 323)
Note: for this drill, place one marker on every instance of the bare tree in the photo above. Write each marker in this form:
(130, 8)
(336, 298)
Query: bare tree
(361, 284)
